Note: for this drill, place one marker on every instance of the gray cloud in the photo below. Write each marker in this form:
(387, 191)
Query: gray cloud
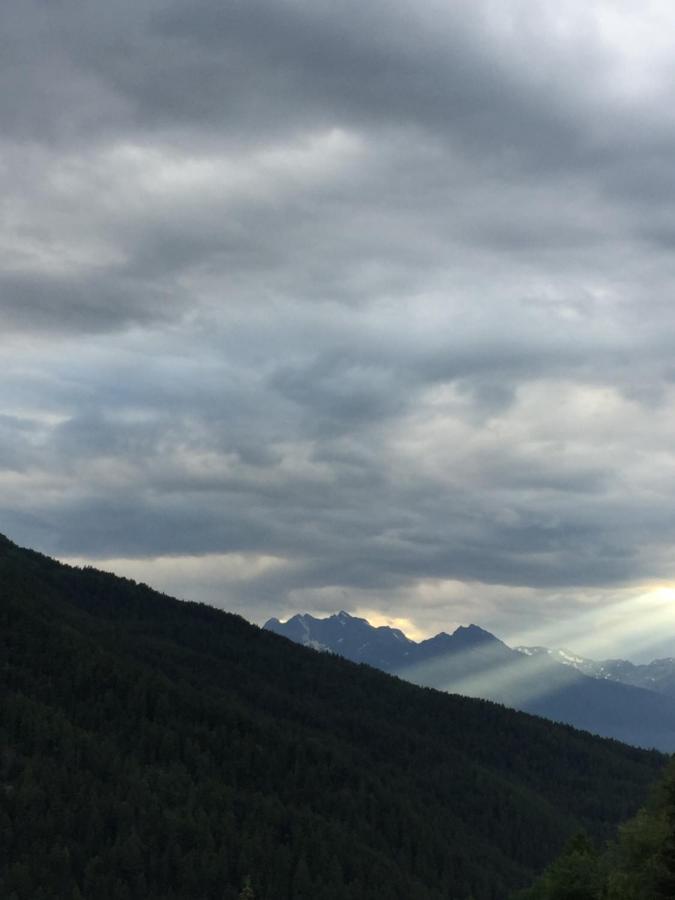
(316, 305)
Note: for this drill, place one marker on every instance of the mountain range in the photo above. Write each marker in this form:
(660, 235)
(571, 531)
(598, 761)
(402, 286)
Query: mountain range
(471, 661)
(154, 749)
(657, 675)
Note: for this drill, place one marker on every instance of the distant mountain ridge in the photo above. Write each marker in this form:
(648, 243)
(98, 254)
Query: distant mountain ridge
(355, 639)
(378, 645)
(475, 663)
(657, 675)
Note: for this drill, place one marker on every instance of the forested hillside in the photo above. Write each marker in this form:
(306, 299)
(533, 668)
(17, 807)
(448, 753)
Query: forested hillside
(157, 749)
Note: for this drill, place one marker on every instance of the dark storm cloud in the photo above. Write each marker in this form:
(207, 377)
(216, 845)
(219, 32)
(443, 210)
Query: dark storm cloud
(359, 298)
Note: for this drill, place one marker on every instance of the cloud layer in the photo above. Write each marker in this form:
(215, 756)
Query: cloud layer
(306, 305)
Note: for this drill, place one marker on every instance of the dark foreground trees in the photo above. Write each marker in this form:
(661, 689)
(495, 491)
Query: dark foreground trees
(638, 865)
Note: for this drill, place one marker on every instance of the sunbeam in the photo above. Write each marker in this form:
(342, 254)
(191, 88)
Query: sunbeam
(641, 621)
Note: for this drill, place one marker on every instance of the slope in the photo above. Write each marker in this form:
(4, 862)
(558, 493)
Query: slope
(157, 749)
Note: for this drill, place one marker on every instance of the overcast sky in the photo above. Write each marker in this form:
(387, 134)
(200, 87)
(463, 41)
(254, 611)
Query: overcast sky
(314, 305)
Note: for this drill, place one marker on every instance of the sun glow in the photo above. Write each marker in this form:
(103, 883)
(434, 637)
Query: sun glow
(407, 626)
(491, 671)
(640, 621)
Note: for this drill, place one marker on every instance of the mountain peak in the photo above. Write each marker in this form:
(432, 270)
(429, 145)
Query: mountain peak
(473, 633)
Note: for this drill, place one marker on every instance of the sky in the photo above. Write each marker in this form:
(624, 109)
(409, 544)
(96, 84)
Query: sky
(308, 306)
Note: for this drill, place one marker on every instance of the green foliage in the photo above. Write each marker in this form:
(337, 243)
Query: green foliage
(638, 865)
(247, 892)
(156, 749)
(575, 875)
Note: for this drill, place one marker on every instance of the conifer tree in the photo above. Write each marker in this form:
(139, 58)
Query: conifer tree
(247, 892)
